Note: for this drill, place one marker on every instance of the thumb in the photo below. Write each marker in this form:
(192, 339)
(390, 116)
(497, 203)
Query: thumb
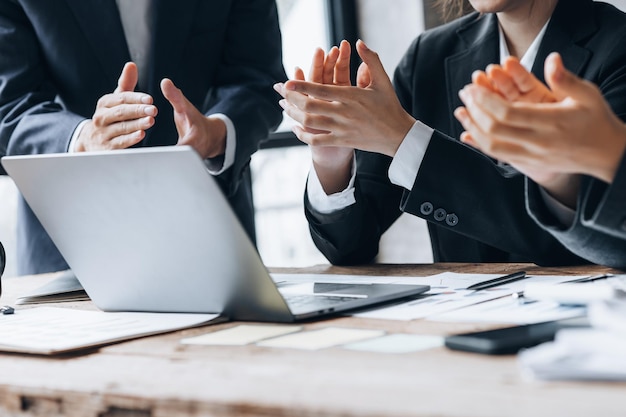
(562, 82)
(128, 79)
(363, 76)
(377, 73)
(174, 95)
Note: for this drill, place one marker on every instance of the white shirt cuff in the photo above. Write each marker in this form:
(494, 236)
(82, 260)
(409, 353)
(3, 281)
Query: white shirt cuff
(406, 164)
(215, 165)
(324, 203)
(563, 214)
(71, 148)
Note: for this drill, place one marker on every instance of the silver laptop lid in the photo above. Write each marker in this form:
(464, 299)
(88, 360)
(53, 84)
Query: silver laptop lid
(148, 230)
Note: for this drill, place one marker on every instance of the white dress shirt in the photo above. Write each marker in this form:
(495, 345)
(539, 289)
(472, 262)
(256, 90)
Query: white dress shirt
(137, 24)
(408, 159)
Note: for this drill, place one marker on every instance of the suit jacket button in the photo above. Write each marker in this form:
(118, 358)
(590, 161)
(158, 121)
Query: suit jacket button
(452, 219)
(440, 214)
(426, 208)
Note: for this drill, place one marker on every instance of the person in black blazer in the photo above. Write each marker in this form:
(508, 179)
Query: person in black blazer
(474, 205)
(215, 61)
(570, 131)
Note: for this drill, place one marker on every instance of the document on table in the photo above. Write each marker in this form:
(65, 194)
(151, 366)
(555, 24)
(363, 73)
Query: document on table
(510, 311)
(594, 353)
(63, 288)
(448, 292)
(51, 330)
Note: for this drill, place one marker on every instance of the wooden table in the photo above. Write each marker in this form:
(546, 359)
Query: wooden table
(159, 377)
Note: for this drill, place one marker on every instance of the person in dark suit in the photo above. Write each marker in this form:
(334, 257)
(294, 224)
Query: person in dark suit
(205, 67)
(569, 130)
(408, 156)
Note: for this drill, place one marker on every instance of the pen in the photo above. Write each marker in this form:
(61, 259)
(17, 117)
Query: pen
(588, 279)
(515, 276)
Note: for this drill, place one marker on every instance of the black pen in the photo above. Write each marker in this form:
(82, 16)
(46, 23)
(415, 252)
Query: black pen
(515, 276)
(588, 279)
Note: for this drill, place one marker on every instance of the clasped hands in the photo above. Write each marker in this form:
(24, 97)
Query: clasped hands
(122, 117)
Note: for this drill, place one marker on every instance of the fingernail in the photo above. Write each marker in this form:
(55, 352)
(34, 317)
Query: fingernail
(283, 103)
(146, 100)
(462, 93)
(278, 87)
(150, 110)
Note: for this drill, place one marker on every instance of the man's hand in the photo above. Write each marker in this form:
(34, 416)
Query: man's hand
(120, 119)
(207, 135)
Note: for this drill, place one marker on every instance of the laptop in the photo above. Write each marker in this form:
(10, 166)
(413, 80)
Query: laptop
(149, 229)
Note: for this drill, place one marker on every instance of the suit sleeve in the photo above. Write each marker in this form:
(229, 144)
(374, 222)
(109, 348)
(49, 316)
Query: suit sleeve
(30, 114)
(603, 207)
(251, 65)
(589, 238)
(351, 235)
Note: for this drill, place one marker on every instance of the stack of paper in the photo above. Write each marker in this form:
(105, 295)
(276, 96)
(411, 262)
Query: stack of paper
(597, 353)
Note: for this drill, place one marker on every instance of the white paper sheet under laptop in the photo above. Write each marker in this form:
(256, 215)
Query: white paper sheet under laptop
(150, 230)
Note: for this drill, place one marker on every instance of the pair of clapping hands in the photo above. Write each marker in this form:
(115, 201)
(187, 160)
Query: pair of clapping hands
(122, 117)
(550, 133)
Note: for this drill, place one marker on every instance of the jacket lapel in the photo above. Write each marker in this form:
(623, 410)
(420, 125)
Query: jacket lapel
(107, 40)
(569, 24)
(481, 48)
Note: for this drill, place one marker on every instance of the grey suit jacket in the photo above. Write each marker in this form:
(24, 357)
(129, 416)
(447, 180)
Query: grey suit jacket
(59, 57)
(598, 233)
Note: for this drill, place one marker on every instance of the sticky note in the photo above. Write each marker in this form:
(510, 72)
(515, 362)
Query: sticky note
(240, 335)
(397, 343)
(322, 338)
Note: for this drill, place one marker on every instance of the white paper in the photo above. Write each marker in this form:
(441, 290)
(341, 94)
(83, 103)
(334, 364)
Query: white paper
(48, 330)
(448, 293)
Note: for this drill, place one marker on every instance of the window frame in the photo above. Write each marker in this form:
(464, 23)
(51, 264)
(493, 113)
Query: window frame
(341, 23)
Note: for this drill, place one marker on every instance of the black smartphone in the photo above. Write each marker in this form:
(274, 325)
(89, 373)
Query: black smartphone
(3, 259)
(504, 341)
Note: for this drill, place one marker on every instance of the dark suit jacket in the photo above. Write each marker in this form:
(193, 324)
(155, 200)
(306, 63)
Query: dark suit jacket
(475, 208)
(59, 57)
(598, 233)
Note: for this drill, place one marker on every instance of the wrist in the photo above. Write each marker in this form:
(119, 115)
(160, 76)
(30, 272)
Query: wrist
(563, 187)
(216, 137)
(402, 129)
(333, 172)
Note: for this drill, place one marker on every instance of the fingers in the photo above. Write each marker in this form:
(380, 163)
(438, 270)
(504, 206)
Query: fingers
(125, 112)
(128, 79)
(342, 67)
(480, 78)
(298, 74)
(329, 65)
(499, 144)
(316, 73)
(313, 115)
(503, 83)
(321, 91)
(526, 82)
(478, 99)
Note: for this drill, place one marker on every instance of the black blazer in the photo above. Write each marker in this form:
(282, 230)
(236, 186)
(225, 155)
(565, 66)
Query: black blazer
(598, 233)
(475, 208)
(58, 57)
